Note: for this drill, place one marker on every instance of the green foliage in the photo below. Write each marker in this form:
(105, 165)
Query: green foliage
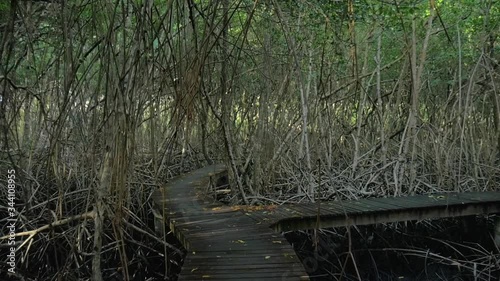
(4, 6)
(4, 11)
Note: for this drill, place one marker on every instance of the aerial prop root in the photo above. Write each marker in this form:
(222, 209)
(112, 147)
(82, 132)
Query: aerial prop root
(32, 233)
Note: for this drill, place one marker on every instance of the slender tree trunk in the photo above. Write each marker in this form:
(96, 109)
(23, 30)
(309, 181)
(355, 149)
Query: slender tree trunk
(203, 119)
(410, 134)
(100, 211)
(304, 100)
(227, 102)
(380, 102)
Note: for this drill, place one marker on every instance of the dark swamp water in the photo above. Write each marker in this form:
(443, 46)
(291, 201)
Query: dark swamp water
(446, 249)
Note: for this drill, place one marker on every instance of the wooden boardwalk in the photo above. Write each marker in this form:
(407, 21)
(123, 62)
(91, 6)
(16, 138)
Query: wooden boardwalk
(223, 243)
(238, 243)
(379, 210)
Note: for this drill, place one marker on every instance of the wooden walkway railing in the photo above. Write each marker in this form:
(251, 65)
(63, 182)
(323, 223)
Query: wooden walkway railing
(238, 243)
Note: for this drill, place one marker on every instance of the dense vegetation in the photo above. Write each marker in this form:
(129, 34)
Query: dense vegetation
(102, 101)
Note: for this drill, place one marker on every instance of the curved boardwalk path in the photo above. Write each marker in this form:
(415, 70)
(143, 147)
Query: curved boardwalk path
(237, 243)
(223, 243)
